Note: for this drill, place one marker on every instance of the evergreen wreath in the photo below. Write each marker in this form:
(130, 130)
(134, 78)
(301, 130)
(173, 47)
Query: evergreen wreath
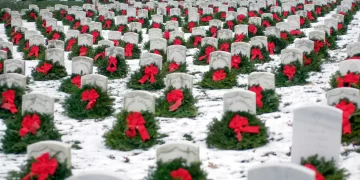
(123, 28)
(35, 52)
(78, 107)
(320, 47)
(13, 142)
(255, 30)
(160, 52)
(242, 19)
(4, 16)
(187, 107)
(171, 66)
(157, 25)
(108, 24)
(267, 101)
(230, 24)
(304, 22)
(48, 70)
(61, 172)
(71, 85)
(83, 50)
(31, 15)
(69, 20)
(241, 64)
(41, 25)
(96, 36)
(134, 83)
(221, 15)
(350, 79)
(91, 14)
(194, 41)
(99, 54)
(56, 35)
(118, 139)
(296, 75)
(259, 55)
(60, 14)
(187, 27)
(76, 25)
(330, 40)
(312, 16)
(287, 37)
(177, 41)
(342, 29)
(221, 136)
(312, 61)
(23, 45)
(10, 31)
(202, 57)
(212, 31)
(204, 19)
(267, 22)
(113, 69)
(145, 22)
(324, 168)
(241, 38)
(11, 101)
(175, 18)
(225, 44)
(278, 43)
(132, 51)
(164, 171)
(70, 43)
(218, 79)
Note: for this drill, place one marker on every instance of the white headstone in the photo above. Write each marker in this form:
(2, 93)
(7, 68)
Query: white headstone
(290, 55)
(137, 101)
(61, 150)
(13, 79)
(95, 80)
(335, 95)
(176, 53)
(179, 80)
(82, 65)
(10, 65)
(220, 59)
(55, 55)
(264, 79)
(241, 47)
(171, 151)
(151, 58)
(280, 172)
(240, 100)
(36, 102)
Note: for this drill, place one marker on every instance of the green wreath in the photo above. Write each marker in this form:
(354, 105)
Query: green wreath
(51, 35)
(166, 67)
(218, 15)
(98, 38)
(245, 66)
(12, 142)
(163, 170)
(58, 14)
(227, 83)
(323, 50)
(201, 53)
(67, 86)
(190, 42)
(331, 39)
(76, 108)
(225, 41)
(136, 76)
(66, 22)
(259, 31)
(343, 30)
(116, 138)
(121, 70)
(146, 23)
(123, 28)
(299, 78)
(41, 25)
(183, 42)
(94, 14)
(334, 84)
(234, 23)
(99, 54)
(112, 25)
(2, 15)
(354, 119)
(205, 23)
(75, 25)
(270, 101)
(316, 61)
(67, 44)
(287, 37)
(19, 92)
(315, 16)
(208, 33)
(185, 27)
(76, 51)
(327, 168)
(268, 19)
(186, 110)
(22, 45)
(41, 56)
(280, 44)
(56, 72)
(27, 15)
(306, 23)
(179, 20)
(136, 52)
(265, 53)
(222, 137)
(162, 26)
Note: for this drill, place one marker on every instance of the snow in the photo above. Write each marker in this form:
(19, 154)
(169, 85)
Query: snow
(230, 165)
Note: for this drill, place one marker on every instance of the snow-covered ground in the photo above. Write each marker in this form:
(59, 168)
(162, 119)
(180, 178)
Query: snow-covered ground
(219, 164)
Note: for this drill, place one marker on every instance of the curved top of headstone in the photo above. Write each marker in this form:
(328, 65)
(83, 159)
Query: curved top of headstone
(93, 175)
(62, 150)
(280, 171)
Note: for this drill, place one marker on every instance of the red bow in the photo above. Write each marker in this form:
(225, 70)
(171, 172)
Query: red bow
(84, 29)
(240, 18)
(175, 96)
(45, 68)
(89, 14)
(121, 28)
(252, 14)
(230, 24)
(318, 176)
(100, 54)
(131, 19)
(177, 41)
(1, 67)
(71, 42)
(83, 51)
(252, 28)
(27, 44)
(208, 50)
(197, 40)
(310, 16)
(157, 52)
(5, 49)
(231, 9)
(48, 30)
(156, 25)
(76, 81)
(77, 25)
(223, 15)
(293, 10)
(307, 61)
(342, 13)
(173, 66)
(8, 99)
(300, 6)
(318, 10)
(141, 20)
(91, 96)
(174, 19)
(5, 16)
(62, 12)
(285, 13)
(318, 45)
(276, 17)
(190, 26)
(240, 125)
(101, 18)
(235, 61)
(302, 21)
(348, 109)
(200, 11)
(34, 51)
(112, 64)
(206, 19)
(136, 121)
(128, 49)
(56, 35)
(123, 12)
(350, 78)
(271, 47)
(150, 72)
(29, 124)
(326, 42)
(340, 26)
(181, 174)
(107, 23)
(69, 18)
(258, 91)
(219, 75)
(224, 47)
(289, 70)
(295, 32)
(266, 23)
(32, 15)
(256, 52)
(95, 34)
(167, 35)
(16, 38)
(239, 37)
(42, 168)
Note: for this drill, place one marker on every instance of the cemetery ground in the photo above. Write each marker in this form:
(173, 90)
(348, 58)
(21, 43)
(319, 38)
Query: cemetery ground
(88, 146)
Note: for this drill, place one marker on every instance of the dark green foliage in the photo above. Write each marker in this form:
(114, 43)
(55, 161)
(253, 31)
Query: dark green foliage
(323, 50)
(226, 83)
(222, 137)
(163, 170)
(306, 22)
(98, 38)
(280, 44)
(245, 66)
(41, 54)
(299, 78)
(226, 25)
(185, 27)
(76, 51)
(56, 72)
(270, 101)
(201, 53)
(76, 108)
(51, 35)
(136, 52)
(218, 15)
(22, 44)
(182, 67)
(61, 173)
(327, 168)
(289, 38)
(99, 50)
(209, 34)
(124, 28)
(187, 108)
(265, 55)
(136, 76)
(146, 23)
(205, 23)
(147, 45)
(19, 92)
(190, 42)
(331, 39)
(183, 42)
(222, 43)
(12, 141)
(116, 138)
(121, 70)
(268, 19)
(27, 15)
(259, 32)
(316, 61)
(67, 86)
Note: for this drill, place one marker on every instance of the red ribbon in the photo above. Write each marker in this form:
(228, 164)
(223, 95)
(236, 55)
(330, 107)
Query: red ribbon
(32, 15)
(240, 18)
(16, 38)
(213, 31)
(266, 23)
(5, 16)
(285, 13)
(100, 54)
(174, 19)
(135, 121)
(83, 51)
(235, 61)
(56, 35)
(276, 17)
(121, 28)
(1, 67)
(173, 66)
(206, 19)
(318, 45)
(302, 21)
(230, 24)
(42, 168)
(95, 34)
(84, 29)
(190, 26)
(258, 91)
(310, 16)
(128, 50)
(156, 25)
(69, 18)
(271, 47)
(34, 51)
(208, 50)
(71, 42)
(318, 10)
(77, 25)
(197, 40)
(300, 6)
(8, 100)
(326, 42)
(76, 81)
(340, 26)
(107, 24)
(239, 37)
(252, 14)
(290, 71)
(224, 47)
(240, 125)
(181, 174)
(89, 14)
(101, 18)
(91, 96)
(293, 10)
(131, 19)
(175, 96)
(223, 15)
(166, 35)
(256, 52)
(123, 12)
(62, 12)
(252, 28)
(219, 75)
(350, 79)
(27, 44)
(348, 109)
(45, 68)
(112, 64)
(30, 124)
(48, 30)
(177, 41)
(150, 72)
(306, 61)
(295, 32)
(318, 176)
(141, 20)
(157, 52)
